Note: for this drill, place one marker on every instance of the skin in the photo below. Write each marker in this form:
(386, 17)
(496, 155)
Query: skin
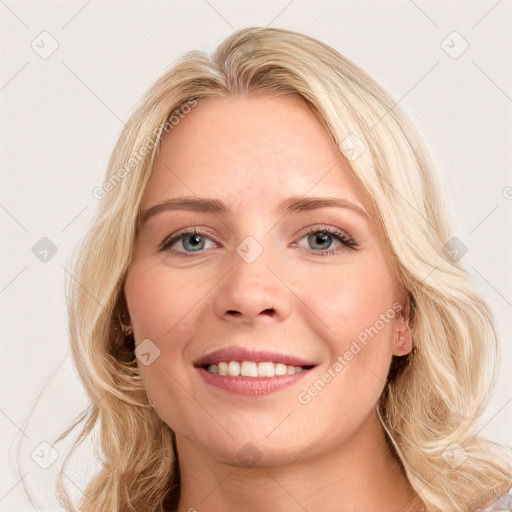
(329, 454)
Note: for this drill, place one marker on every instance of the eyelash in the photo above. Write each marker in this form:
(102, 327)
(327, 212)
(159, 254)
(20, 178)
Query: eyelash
(168, 242)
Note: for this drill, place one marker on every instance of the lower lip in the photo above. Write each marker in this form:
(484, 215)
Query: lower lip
(253, 386)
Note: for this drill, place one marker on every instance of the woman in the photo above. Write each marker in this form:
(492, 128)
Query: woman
(268, 313)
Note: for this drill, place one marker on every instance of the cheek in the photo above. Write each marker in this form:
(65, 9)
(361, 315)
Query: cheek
(350, 296)
(162, 310)
(162, 303)
(354, 306)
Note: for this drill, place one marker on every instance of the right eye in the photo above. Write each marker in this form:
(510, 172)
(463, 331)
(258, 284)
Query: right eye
(192, 241)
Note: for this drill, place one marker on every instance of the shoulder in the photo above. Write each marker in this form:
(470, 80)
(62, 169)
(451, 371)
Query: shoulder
(500, 503)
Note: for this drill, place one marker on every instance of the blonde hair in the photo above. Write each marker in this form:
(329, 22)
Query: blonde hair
(434, 397)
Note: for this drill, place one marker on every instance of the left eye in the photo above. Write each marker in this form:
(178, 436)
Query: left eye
(194, 241)
(322, 237)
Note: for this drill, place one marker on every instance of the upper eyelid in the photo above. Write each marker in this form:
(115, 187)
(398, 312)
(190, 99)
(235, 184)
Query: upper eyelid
(185, 231)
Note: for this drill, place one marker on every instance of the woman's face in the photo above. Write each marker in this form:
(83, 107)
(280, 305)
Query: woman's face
(253, 279)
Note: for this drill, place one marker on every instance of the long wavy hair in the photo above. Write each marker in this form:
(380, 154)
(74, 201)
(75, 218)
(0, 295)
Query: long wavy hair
(434, 398)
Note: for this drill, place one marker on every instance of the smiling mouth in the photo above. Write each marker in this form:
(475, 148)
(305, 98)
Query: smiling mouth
(253, 369)
(245, 371)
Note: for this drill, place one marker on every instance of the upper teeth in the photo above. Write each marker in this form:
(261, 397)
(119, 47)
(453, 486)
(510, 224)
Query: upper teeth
(252, 369)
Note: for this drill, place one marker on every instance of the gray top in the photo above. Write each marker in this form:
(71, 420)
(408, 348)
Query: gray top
(502, 503)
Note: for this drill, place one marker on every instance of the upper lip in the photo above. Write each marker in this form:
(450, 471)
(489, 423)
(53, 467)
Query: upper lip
(246, 354)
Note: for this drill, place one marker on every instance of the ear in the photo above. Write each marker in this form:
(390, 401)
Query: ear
(402, 344)
(124, 319)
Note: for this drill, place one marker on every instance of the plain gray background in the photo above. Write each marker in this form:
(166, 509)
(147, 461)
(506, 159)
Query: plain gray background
(61, 114)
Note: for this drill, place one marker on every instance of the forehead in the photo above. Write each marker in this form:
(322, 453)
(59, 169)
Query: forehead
(250, 152)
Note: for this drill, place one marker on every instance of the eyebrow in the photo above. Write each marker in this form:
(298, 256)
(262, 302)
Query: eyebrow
(288, 205)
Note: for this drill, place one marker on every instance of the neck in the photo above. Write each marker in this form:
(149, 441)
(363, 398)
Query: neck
(362, 474)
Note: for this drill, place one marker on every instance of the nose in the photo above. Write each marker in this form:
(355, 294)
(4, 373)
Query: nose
(251, 292)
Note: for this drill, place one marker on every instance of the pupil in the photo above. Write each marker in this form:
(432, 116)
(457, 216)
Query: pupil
(195, 239)
(322, 239)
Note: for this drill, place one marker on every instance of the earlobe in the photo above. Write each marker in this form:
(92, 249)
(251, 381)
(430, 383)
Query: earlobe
(403, 339)
(125, 322)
